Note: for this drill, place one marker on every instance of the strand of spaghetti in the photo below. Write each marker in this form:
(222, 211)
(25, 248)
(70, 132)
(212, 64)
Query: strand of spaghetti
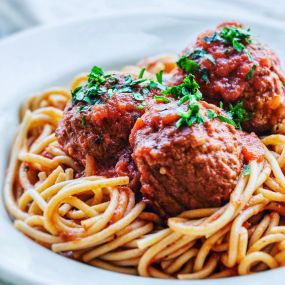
(180, 243)
(242, 244)
(114, 268)
(266, 240)
(26, 197)
(118, 242)
(90, 241)
(280, 258)
(23, 177)
(153, 238)
(259, 230)
(274, 221)
(181, 260)
(73, 189)
(147, 258)
(206, 271)
(127, 262)
(37, 160)
(158, 274)
(10, 202)
(206, 248)
(52, 217)
(35, 234)
(176, 253)
(122, 255)
(273, 185)
(275, 168)
(235, 230)
(43, 140)
(44, 95)
(272, 196)
(254, 257)
(78, 214)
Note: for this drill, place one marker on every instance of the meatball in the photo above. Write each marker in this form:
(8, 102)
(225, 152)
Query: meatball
(96, 126)
(188, 167)
(231, 67)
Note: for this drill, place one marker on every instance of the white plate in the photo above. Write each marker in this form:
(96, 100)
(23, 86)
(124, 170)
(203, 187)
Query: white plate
(44, 57)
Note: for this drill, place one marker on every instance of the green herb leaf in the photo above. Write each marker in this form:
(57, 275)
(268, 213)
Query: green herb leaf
(246, 170)
(200, 53)
(238, 114)
(250, 74)
(141, 72)
(211, 114)
(162, 98)
(204, 75)
(141, 106)
(214, 38)
(159, 76)
(188, 65)
(226, 120)
(138, 96)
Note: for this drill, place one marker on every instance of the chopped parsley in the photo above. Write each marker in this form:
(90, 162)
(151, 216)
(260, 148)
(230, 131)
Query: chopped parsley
(250, 74)
(141, 73)
(159, 76)
(236, 37)
(204, 75)
(161, 98)
(201, 53)
(236, 115)
(100, 84)
(212, 115)
(188, 91)
(188, 65)
(141, 106)
(246, 170)
(214, 38)
(283, 83)
(138, 96)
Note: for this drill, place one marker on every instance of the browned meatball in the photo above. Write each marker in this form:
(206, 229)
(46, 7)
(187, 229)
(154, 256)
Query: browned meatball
(188, 167)
(96, 126)
(228, 72)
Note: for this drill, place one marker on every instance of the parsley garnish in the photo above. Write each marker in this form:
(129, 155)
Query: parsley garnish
(283, 83)
(162, 98)
(238, 114)
(188, 65)
(212, 115)
(246, 170)
(204, 75)
(141, 106)
(235, 37)
(138, 96)
(141, 72)
(201, 53)
(214, 38)
(251, 72)
(188, 91)
(159, 76)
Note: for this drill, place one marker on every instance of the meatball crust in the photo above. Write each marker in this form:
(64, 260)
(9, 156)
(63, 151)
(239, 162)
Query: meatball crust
(101, 132)
(234, 77)
(188, 167)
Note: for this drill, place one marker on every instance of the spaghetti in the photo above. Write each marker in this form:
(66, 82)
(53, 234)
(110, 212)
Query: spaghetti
(97, 220)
